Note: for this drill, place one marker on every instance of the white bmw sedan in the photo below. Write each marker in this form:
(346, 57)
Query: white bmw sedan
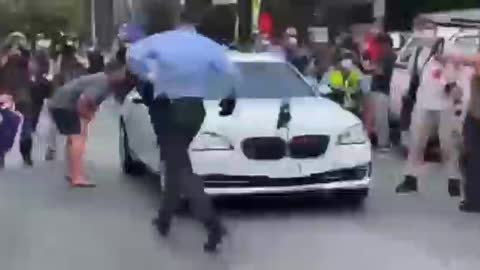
(280, 139)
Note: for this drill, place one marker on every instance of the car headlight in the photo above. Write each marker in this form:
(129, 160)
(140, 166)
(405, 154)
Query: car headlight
(211, 141)
(353, 135)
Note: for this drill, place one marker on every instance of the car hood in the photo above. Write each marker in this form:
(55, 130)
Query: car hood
(259, 117)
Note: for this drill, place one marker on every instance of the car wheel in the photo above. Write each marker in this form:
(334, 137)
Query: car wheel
(129, 165)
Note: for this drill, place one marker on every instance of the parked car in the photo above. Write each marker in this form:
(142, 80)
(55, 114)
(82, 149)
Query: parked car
(282, 138)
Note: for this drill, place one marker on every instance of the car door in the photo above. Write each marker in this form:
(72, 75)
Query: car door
(141, 136)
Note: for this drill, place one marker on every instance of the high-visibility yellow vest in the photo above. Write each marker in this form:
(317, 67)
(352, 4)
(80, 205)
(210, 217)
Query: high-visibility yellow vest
(350, 85)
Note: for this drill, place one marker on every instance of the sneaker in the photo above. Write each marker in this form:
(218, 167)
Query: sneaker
(27, 161)
(50, 155)
(2, 162)
(384, 150)
(408, 185)
(216, 232)
(163, 226)
(467, 207)
(454, 187)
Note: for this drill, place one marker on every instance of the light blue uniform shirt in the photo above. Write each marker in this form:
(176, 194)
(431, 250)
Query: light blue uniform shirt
(179, 63)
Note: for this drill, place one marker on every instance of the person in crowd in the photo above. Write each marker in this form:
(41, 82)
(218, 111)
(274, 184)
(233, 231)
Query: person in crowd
(96, 61)
(470, 154)
(128, 33)
(73, 107)
(433, 111)
(293, 53)
(471, 149)
(344, 80)
(373, 48)
(15, 78)
(380, 92)
(10, 121)
(41, 85)
(183, 116)
(68, 67)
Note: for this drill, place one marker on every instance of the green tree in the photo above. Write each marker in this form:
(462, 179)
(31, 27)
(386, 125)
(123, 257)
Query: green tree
(45, 16)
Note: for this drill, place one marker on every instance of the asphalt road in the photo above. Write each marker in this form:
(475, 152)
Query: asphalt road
(47, 226)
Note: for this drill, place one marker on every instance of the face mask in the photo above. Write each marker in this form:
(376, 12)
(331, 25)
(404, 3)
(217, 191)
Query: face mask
(347, 64)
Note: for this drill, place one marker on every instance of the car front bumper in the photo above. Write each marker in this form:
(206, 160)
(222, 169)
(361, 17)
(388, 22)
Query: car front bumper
(329, 187)
(221, 185)
(229, 173)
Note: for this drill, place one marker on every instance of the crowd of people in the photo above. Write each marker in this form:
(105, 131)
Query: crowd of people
(359, 80)
(77, 88)
(28, 78)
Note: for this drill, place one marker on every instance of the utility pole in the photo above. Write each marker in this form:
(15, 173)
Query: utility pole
(93, 23)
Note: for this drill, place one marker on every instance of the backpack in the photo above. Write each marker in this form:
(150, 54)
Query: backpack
(409, 100)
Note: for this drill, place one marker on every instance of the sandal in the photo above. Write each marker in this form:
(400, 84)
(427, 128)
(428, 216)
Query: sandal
(83, 185)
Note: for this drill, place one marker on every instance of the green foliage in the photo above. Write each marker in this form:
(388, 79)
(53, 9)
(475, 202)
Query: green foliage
(44, 16)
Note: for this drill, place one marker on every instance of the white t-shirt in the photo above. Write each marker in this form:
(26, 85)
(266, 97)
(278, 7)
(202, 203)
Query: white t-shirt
(433, 79)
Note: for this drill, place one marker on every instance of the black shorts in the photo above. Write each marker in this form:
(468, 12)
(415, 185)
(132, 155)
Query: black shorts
(67, 121)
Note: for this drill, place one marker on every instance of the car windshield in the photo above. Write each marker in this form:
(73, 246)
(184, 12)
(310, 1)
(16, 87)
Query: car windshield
(262, 80)
(467, 45)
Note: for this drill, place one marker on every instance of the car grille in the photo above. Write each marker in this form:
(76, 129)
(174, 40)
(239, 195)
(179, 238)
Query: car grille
(309, 146)
(351, 174)
(264, 148)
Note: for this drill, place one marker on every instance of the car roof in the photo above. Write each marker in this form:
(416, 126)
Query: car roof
(266, 57)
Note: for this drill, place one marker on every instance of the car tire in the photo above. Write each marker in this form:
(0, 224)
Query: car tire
(129, 165)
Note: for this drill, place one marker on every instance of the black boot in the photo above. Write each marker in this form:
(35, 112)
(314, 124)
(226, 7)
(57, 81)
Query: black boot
(408, 185)
(26, 151)
(454, 187)
(216, 232)
(50, 155)
(162, 225)
(2, 161)
(467, 207)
